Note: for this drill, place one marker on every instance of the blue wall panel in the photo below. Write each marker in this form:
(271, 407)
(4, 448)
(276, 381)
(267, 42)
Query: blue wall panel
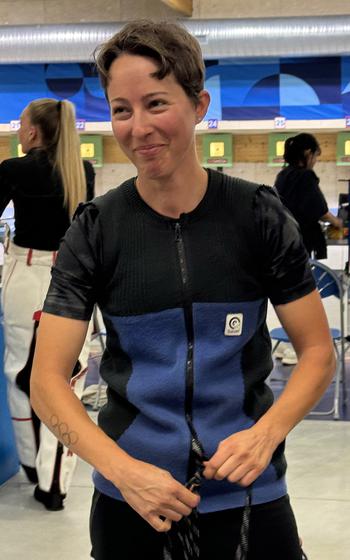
(21, 83)
(297, 88)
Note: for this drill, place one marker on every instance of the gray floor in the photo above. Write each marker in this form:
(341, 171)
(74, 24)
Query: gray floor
(319, 483)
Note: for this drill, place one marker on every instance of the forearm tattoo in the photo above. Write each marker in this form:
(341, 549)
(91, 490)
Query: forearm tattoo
(61, 429)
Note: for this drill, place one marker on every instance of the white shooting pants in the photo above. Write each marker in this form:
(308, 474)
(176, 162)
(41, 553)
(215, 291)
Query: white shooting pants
(25, 281)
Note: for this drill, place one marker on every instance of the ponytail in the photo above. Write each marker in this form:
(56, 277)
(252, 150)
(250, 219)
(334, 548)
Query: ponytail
(68, 160)
(56, 120)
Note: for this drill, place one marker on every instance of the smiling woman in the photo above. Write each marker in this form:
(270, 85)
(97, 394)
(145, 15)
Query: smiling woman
(155, 125)
(181, 261)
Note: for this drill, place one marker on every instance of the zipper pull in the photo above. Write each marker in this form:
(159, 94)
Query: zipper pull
(177, 231)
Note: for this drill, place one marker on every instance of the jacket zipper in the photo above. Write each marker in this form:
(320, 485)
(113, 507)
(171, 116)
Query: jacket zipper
(197, 453)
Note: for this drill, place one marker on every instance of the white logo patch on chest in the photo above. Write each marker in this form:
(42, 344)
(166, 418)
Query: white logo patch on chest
(234, 324)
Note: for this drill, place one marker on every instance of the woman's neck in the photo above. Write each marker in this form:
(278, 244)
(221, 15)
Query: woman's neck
(175, 195)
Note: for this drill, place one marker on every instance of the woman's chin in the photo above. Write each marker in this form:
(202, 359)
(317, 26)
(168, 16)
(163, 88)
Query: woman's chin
(152, 172)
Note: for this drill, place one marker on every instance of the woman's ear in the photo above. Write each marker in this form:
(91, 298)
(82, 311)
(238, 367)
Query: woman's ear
(310, 158)
(202, 105)
(32, 132)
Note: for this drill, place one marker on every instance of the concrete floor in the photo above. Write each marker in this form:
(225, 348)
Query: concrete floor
(318, 454)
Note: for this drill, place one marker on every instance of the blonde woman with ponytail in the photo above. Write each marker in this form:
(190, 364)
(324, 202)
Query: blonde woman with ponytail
(45, 186)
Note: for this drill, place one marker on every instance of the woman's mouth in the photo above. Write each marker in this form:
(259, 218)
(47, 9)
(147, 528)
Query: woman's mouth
(149, 150)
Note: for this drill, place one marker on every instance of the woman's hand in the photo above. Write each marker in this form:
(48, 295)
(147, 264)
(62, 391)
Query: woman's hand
(242, 457)
(333, 220)
(337, 222)
(156, 495)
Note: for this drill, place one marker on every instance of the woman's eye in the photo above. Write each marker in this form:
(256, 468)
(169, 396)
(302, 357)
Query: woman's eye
(120, 113)
(157, 103)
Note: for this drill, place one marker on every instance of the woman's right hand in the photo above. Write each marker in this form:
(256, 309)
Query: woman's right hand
(156, 495)
(337, 223)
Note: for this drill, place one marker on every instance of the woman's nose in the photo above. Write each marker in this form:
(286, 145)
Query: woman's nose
(141, 124)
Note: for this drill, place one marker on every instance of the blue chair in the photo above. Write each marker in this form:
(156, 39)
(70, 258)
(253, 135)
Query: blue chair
(328, 284)
(9, 462)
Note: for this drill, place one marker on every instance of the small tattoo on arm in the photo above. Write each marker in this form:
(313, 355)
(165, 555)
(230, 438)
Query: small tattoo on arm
(66, 436)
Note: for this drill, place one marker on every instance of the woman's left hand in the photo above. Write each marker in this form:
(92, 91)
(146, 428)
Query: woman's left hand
(242, 457)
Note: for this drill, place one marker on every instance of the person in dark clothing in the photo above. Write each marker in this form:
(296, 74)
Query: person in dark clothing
(181, 261)
(45, 186)
(298, 187)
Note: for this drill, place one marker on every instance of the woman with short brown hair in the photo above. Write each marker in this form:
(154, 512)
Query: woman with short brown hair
(181, 261)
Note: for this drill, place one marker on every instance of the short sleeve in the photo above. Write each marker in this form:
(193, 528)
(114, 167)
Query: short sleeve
(73, 288)
(286, 274)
